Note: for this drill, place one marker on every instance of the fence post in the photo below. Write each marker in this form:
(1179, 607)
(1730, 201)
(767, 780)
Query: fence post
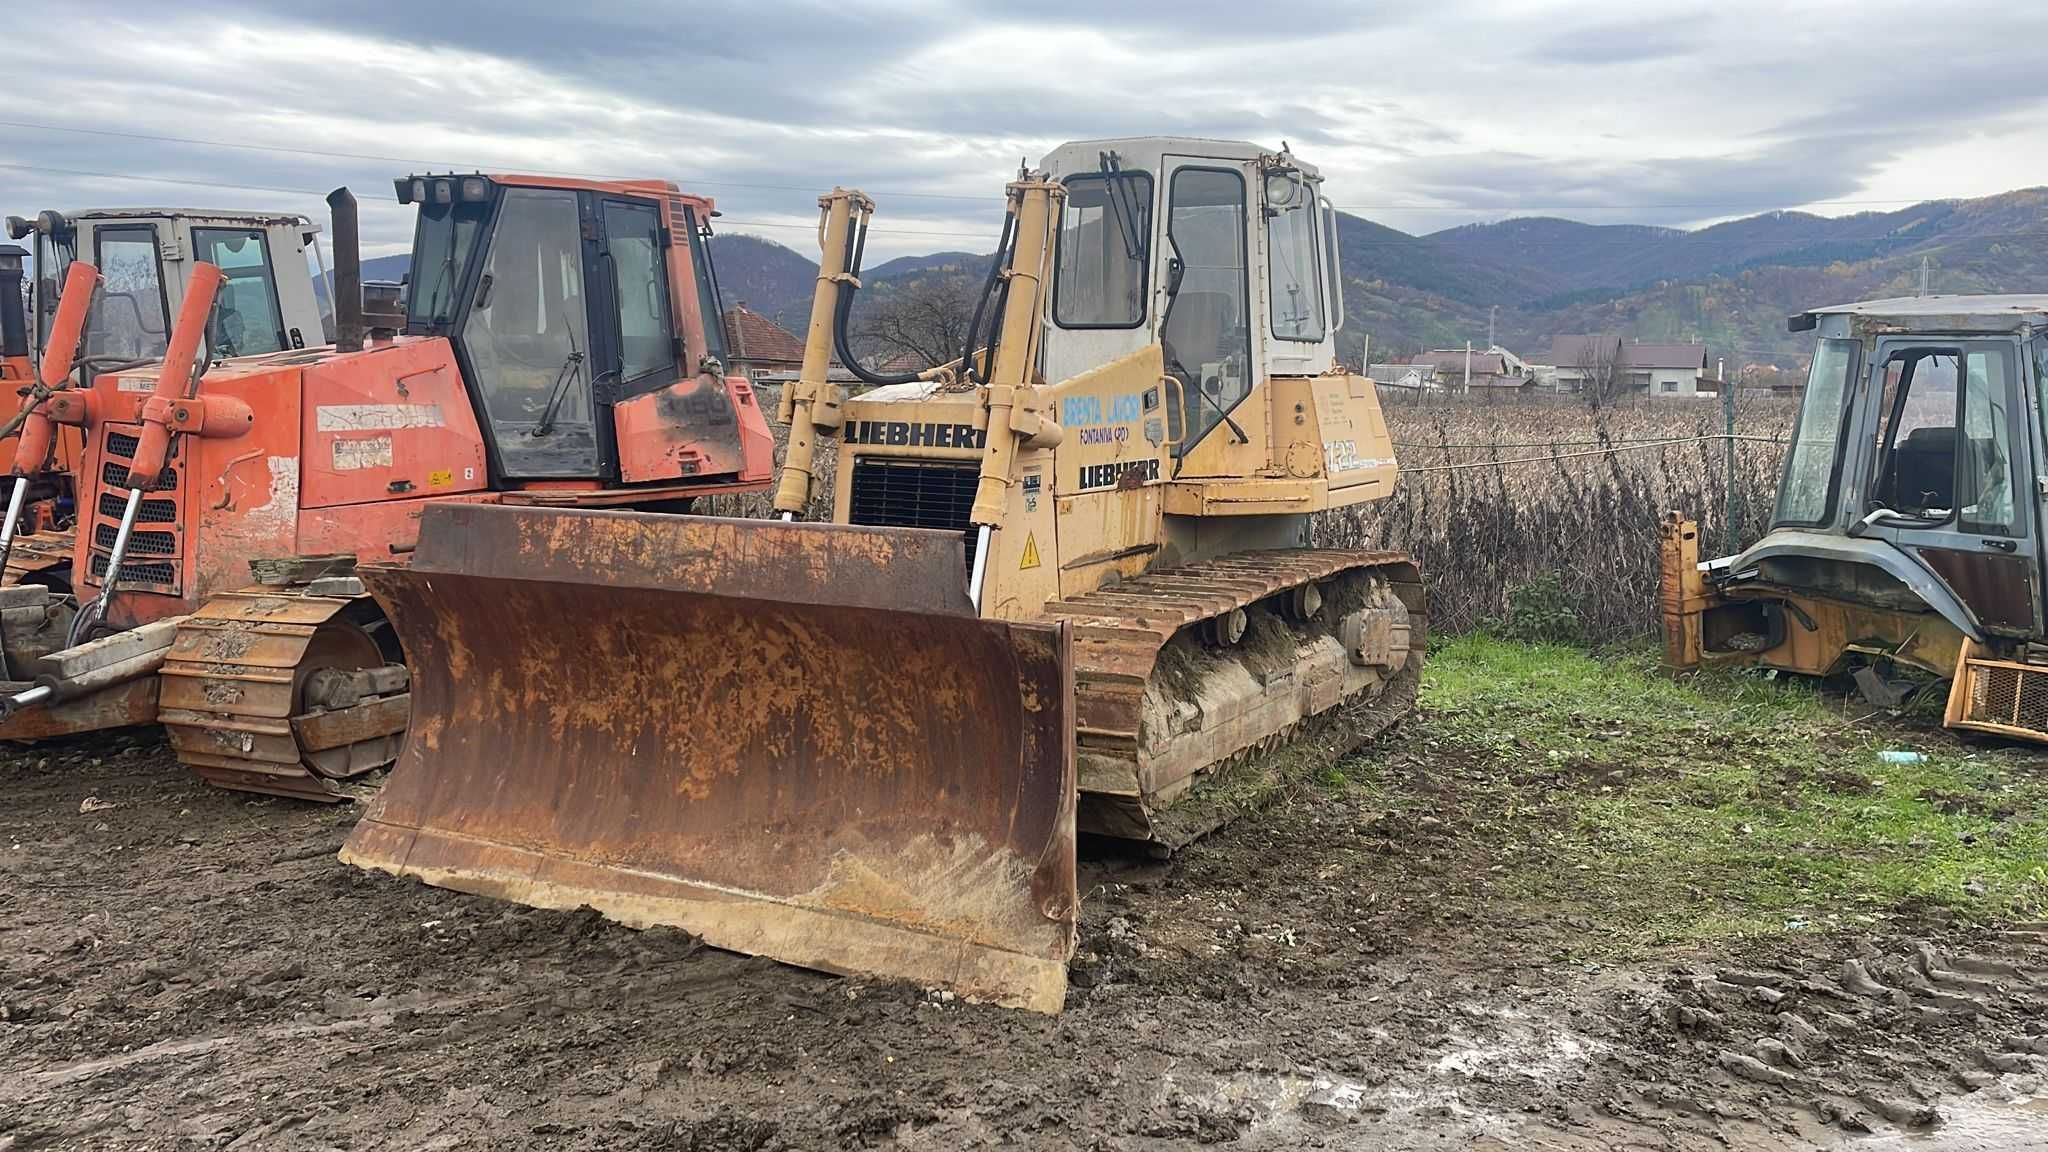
(1730, 540)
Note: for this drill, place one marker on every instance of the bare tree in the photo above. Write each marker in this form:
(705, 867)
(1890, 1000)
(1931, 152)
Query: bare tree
(920, 323)
(1603, 375)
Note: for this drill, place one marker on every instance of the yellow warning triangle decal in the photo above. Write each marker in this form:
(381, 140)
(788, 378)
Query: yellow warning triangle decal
(1030, 552)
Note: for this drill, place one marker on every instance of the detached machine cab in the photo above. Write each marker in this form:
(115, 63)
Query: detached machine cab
(1069, 568)
(1907, 543)
(561, 349)
(146, 257)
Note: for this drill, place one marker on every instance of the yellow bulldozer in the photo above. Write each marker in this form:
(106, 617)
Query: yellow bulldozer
(867, 745)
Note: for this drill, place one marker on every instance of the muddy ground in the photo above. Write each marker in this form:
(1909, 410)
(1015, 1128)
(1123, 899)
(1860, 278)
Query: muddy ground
(186, 968)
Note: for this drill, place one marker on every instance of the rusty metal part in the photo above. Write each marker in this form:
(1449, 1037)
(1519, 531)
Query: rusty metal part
(237, 701)
(794, 740)
(1132, 768)
(44, 553)
(332, 688)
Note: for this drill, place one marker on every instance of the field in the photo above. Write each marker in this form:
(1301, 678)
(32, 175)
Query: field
(1570, 906)
(1541, 518)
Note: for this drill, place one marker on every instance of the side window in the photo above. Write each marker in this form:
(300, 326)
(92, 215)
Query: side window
(1331, 257)
(1207, 334)
(640, 282)
(1292, 270)
(1104, 248)
(128, 316)
(1984, 490)
(708, 305)
(246, 320)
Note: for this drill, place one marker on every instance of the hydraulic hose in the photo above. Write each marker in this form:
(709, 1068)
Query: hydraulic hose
(996, 263)
(857, 236)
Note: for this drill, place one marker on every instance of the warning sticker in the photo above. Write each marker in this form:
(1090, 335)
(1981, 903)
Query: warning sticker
(372, 417)
(357, 453)
(440, 478)
(1030, 552)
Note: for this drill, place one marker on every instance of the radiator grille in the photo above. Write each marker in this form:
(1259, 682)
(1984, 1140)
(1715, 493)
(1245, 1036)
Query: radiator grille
(914, 494)
(155, 542)
(154, 510)
(2008, 695)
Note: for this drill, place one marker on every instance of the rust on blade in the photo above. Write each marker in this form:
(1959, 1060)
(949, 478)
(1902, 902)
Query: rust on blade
(793, 740)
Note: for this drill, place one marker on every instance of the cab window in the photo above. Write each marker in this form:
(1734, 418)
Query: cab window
(640, 283)
(1292, 271)
(1207, 332)
(1104, 249)
(128, 319)
(246, 320)
(1813, 464)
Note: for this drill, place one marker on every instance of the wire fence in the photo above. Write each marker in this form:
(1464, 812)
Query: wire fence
(1501, 530)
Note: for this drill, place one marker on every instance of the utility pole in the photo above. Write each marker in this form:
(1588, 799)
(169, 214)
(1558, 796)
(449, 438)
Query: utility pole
(1490, 314)
(1468, 368)
(1729, 538)
(1924, 260)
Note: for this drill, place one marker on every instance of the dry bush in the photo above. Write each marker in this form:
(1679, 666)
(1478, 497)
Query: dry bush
(1576, 523)
(1558, 501)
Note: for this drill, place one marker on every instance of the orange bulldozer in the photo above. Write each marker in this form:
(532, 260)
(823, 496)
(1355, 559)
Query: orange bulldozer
(560, 347)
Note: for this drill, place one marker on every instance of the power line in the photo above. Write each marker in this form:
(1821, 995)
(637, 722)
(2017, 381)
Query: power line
(1724, 206)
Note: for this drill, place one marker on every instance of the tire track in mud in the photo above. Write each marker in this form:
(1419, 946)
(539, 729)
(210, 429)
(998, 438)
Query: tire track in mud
(184, 968)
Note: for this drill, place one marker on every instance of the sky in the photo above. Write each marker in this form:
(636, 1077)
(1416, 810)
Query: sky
(1421, 115)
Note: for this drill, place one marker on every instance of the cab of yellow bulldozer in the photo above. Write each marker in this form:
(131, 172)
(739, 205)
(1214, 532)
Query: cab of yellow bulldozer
(1906, 542)
(1189, 352)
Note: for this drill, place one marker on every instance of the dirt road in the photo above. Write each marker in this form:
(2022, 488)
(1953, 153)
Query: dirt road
(185, 968)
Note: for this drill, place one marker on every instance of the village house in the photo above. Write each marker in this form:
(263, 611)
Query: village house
(1604, 362)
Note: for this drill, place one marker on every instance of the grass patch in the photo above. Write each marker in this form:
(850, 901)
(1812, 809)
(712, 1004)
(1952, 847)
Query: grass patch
(1724, 805)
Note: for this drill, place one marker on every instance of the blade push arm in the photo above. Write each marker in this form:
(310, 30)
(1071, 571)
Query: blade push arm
(813, 402)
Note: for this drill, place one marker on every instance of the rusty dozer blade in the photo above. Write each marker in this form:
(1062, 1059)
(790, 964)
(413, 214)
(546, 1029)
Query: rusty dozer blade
(795, 740)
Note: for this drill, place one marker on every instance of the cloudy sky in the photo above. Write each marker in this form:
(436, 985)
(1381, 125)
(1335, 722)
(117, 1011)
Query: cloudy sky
(1423, 115)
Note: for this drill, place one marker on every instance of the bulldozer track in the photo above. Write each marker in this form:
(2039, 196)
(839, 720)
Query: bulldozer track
(233, 703)
(1119, 634)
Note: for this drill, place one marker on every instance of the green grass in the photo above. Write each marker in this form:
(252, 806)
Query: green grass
(1729, 805)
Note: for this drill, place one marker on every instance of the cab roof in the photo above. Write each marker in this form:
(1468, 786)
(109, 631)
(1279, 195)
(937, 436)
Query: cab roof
(1938, 313)
(1146, 152)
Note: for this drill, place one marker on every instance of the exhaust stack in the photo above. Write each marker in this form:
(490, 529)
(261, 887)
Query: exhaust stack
(348, 273)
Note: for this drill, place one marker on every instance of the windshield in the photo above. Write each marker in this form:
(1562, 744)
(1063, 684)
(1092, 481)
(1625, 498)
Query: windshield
(1104, 248)
(128, 320)
(443, 243)
(1814, 462)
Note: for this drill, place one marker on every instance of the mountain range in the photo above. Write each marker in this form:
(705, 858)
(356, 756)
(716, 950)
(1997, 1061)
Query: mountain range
(1730, 285)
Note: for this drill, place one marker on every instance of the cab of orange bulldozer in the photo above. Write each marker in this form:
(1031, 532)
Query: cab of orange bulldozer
(559, 347)
(1906, 543)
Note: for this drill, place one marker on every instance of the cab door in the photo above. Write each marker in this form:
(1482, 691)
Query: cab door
(1205, 286)
(1951, 474)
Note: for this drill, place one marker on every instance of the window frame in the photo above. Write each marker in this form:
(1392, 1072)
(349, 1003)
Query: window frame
(709, 302)
(1189, 438)
(1885, 443)
(262, 239)
(156, 254)
(662, 375)
(1333, 260)
(1852, 375)
(1144, 255)
(1310, 205)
